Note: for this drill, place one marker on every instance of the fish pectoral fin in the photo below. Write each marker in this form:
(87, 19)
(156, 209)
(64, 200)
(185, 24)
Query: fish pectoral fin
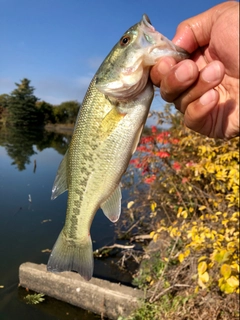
(60, 182)
(112, 206)
(110, 122)
(137, 138)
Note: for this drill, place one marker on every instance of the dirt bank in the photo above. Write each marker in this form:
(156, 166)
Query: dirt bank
(60, 128)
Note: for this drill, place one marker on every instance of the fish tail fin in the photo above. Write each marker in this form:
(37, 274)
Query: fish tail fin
(70, 255)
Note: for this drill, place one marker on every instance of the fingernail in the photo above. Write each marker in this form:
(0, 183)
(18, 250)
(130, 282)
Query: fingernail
(184, 72)
(211, 73)
(208, 97)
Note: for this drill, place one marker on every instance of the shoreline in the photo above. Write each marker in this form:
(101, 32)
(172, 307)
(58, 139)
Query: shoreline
(60, 128)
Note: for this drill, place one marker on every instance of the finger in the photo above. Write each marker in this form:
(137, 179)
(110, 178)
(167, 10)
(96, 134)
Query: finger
(209, 77)
(178, 79)
(209, 117)
(161, 68)
(196, 31)
(197, 115)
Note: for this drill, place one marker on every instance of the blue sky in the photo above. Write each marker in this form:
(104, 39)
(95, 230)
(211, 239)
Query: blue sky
(59, 44)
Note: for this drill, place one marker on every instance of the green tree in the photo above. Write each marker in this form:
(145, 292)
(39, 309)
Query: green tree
(3, 107)
(46, 114)
(4, 100)
(22, 105)
(67, 111)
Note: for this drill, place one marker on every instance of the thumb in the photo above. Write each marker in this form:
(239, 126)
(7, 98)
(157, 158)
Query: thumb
(196, 31)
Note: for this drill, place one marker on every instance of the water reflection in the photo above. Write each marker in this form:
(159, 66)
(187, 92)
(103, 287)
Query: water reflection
(19, 143)
(27, 229)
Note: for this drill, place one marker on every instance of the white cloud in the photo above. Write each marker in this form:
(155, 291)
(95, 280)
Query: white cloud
(53, 100)
(53, 90)
(59, 90)
(56, 89)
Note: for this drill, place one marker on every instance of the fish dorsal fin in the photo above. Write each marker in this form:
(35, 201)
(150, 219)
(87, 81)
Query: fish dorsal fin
(60, 183)
(112, 206)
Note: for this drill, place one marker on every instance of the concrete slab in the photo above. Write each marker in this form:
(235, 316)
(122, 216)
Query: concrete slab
(102, 297)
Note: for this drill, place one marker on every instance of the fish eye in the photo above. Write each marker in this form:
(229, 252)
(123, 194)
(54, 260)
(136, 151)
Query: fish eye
(124, 40)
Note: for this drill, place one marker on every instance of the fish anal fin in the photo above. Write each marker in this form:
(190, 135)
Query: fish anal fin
(112, 206)
(60, 183)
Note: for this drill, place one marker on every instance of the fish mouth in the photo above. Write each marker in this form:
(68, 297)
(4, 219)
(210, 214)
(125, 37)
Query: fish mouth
(161, 46)
(147, 22)
(127, 78)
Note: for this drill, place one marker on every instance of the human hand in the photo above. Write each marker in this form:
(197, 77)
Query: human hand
(205, 88)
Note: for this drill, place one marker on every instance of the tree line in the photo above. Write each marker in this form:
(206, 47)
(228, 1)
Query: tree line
(22, 108)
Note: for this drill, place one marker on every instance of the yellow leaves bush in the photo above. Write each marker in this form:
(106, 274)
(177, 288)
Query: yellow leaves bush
(203, 276)
(228, 283)
(203, 194)
(183, 255)
(211, 226)
(216, 239)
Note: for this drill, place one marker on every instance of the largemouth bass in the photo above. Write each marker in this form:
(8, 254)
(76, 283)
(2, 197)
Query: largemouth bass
(106, 134)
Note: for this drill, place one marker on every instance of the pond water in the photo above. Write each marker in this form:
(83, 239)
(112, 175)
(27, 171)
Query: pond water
(30, 222)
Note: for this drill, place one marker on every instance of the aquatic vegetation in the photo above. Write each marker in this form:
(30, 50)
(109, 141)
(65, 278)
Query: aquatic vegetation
(34, 298)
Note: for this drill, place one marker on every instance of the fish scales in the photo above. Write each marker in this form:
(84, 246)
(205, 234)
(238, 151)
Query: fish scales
(98, 151)
(106, 134)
